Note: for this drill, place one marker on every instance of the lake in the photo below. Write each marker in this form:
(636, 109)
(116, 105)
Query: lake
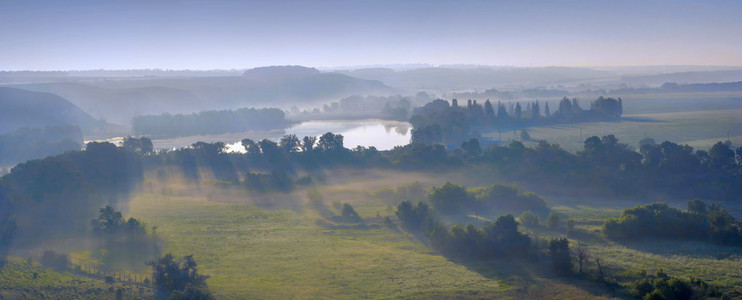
(382, 134)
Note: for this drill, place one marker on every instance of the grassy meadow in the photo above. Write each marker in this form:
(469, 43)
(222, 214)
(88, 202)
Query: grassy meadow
(25, 279)
(254, 246)
(697, 120)
(264, 251)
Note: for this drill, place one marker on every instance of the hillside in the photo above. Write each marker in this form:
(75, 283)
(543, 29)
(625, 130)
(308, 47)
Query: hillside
(21, 108)
(119, 100)
(685, 77)
(449, 78)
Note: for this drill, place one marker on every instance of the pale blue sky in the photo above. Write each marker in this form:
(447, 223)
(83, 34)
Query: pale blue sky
(63, 35)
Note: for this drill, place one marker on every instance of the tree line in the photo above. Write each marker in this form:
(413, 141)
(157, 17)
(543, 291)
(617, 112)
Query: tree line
(209, 122)
(441, 122)
(604, 167)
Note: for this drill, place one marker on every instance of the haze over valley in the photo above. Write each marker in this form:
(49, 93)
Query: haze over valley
(346, 150)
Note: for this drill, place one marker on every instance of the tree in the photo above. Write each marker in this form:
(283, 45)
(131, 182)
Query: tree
(289, 143)
(517, 110)
(427, 134)
(553, 220)
(412, 216)
(330, 142)
(109, 221)
(251, 147)
(502, 113)
(141, 145)
(449, 198)
(488, 110)
(350, 215)
(471, 147)
(561, 261)
(176, 277)
(529, 219)
(722, 158)
(308, 143)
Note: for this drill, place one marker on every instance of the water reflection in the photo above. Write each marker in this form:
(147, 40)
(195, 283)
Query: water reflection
(382, 134)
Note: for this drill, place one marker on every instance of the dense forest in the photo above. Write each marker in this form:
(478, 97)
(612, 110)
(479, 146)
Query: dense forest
(209, 122)
(33, 143)
(441, 122)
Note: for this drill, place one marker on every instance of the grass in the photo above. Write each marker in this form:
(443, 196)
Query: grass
(251, 251)
(699, 122)
(20, 279)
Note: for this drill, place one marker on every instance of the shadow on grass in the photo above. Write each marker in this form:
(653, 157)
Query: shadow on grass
(532, 278)
(687, 248)
(638, 119)
(277, 201)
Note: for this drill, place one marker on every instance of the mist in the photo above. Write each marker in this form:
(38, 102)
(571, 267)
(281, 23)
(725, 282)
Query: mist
(376, 150)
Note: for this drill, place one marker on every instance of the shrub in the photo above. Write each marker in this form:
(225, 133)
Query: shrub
(529, 219)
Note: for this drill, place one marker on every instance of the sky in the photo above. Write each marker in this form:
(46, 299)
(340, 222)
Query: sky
(202, 35)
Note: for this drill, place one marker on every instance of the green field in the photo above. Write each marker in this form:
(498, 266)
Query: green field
(23, 279)
(256, 252)
(266, 251)
(697, 120)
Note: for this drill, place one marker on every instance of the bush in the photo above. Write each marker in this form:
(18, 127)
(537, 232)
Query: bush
(529, 219)
(561, 261)
(179, 278)
(660, 220)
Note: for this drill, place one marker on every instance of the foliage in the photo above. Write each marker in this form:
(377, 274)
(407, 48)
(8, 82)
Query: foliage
(413, 217)
(178, 277)
(124, 242)
(209, 122)
(111, 222)
(35, 143)
(665, 287)
(439, 122)
(452, 198)
(661, 220)
(561, 261)
(142, 145)
(275, 181)
(65, 191)
(349, 215)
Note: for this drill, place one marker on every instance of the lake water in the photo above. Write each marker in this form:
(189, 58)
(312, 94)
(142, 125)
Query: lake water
(382, 134)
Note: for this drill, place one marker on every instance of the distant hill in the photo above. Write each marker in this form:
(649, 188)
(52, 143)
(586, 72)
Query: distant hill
(671, 87)
(21, 108)
(120, 105)
(447, 78)
(119, 100)
(274, 73)
(685, 77)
